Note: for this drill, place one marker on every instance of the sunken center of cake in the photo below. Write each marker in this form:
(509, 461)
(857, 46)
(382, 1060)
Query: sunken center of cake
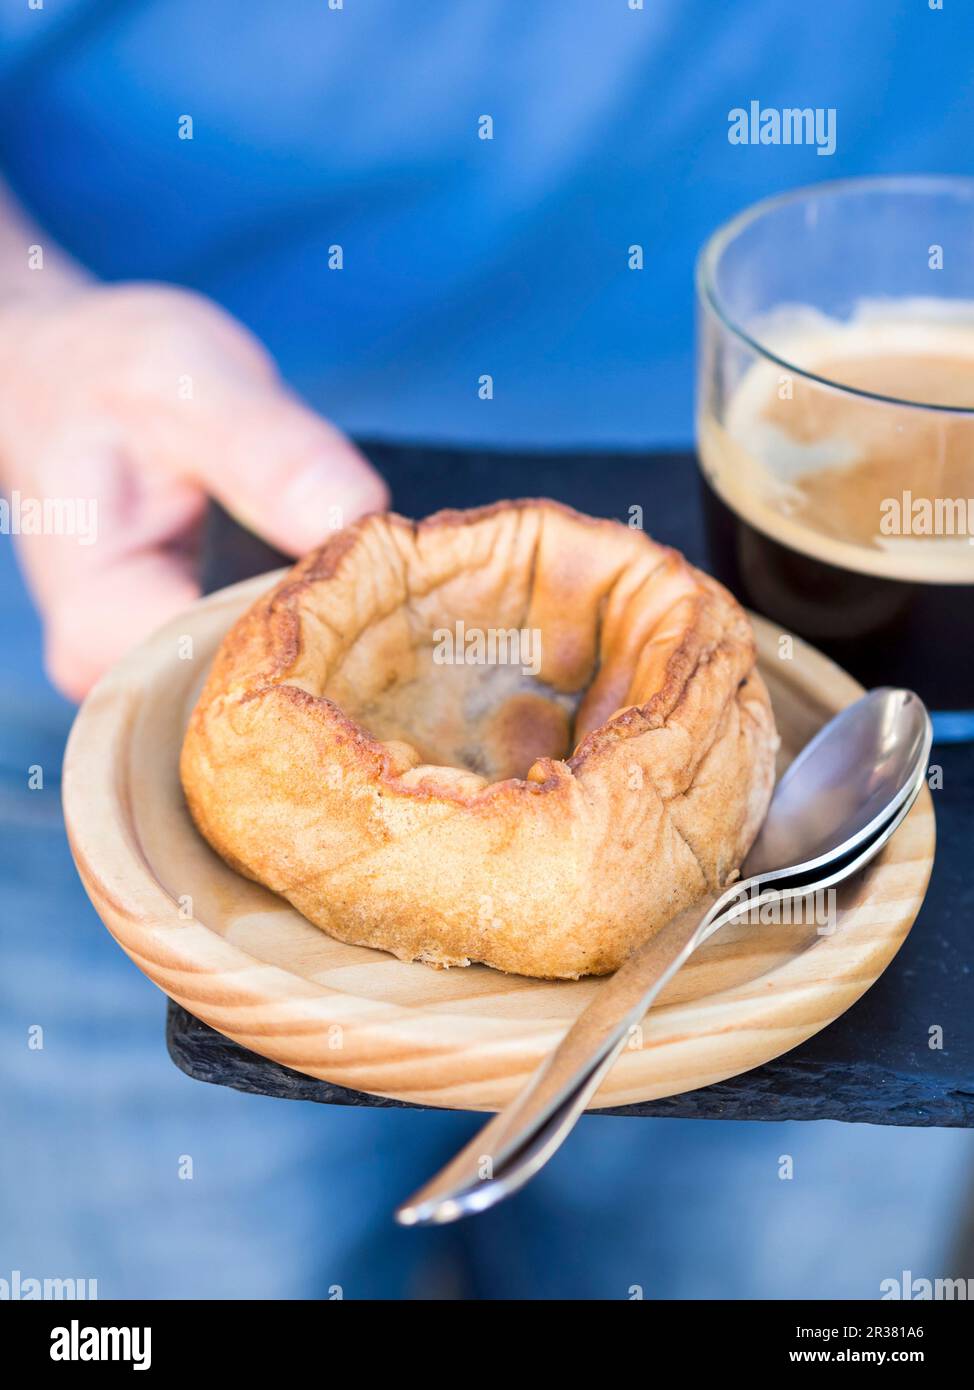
(487, 648)
(491, 718)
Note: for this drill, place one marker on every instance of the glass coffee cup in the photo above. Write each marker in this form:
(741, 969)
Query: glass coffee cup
(835, 424)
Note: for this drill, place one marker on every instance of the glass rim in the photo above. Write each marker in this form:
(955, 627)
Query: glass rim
(960, 185)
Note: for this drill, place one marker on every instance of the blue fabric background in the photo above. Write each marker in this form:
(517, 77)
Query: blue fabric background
(358, 126)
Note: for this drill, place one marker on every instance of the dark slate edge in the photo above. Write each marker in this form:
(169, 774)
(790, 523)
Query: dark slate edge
(206, 1055)
(786, 1089)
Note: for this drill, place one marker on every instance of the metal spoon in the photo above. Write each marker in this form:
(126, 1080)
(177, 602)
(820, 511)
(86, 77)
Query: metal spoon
(524, 1161)
(832, 811)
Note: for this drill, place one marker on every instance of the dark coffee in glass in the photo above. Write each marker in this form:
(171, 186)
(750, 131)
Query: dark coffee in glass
(836, 424)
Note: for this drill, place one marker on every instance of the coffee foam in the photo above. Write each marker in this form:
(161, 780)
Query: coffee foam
(815, 467)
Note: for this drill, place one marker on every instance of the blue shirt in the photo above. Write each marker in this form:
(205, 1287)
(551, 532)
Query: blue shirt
(359, 127)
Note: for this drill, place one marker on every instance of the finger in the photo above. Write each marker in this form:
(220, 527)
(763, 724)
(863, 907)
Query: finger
(91, 624)
(118, 561)
(283, 471)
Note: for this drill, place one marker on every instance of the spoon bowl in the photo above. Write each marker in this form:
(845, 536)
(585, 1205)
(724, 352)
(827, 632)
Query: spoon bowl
(844, 784)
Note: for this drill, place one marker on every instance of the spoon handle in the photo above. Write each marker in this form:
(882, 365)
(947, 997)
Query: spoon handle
(571, 1074)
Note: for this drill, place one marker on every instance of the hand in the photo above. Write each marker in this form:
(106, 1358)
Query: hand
(147, 398)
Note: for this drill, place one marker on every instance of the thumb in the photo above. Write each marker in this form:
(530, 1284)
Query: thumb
(284, 472)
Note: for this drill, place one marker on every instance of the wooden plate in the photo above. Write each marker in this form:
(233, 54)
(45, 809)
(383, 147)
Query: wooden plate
(249, 965)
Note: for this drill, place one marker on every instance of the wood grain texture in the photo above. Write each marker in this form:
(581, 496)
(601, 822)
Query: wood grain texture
(249, 965)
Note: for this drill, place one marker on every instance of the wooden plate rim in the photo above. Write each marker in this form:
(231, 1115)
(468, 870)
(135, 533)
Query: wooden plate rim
(124, 889)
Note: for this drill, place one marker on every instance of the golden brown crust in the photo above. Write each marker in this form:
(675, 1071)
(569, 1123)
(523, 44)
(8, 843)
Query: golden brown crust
(558, 871)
